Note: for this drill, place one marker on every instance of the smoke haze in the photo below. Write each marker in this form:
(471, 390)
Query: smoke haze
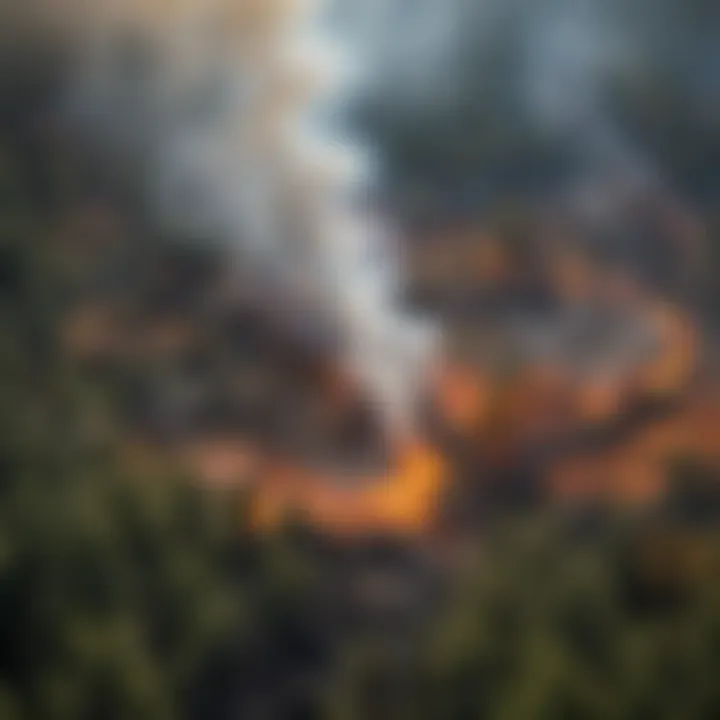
(219, 103)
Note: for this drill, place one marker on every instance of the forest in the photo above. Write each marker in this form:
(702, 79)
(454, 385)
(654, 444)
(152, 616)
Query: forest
(133, 586)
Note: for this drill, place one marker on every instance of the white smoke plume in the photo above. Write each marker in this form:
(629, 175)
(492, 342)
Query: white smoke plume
(221, 98)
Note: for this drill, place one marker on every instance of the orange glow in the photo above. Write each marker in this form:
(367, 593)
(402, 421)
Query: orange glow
(600, 400)
(500, 416)
(634, 470)
(676, 362)
(405, 501)
(463, 397)
(223, 463)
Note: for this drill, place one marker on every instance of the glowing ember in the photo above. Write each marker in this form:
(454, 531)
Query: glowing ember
(463, 398)
(675, 364)
(404, 501)
(635, 469)
(600, 399)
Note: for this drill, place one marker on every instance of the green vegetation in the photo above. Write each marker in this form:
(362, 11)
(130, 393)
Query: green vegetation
(596, 618)
(112, 587)
(123, 593)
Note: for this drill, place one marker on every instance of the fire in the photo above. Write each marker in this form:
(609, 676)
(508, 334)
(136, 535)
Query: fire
(405, 501)
(635, 469)
(600, 400)
(500, 414)
(463, 397)
(674, 365)
(409, 498)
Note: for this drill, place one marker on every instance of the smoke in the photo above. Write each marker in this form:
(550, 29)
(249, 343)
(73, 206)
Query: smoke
(234, 106)
(599, 106)
(555, 69)
(229, 108)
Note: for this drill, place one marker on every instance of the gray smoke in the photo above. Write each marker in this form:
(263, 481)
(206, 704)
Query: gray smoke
(227, 106)
(549, 67)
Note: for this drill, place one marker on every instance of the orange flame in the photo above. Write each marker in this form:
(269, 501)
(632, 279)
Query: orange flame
(635, 470)
(463, 397)
(405, 501)
(681, 348)
(539, 402)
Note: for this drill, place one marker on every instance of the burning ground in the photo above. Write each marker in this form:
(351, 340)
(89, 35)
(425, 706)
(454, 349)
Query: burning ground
(581, 386)
(291, 367)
